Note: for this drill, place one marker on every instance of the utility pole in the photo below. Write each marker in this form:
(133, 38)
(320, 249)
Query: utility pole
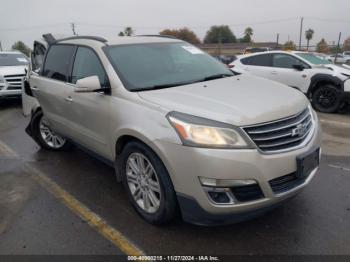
(278, 39)
(301, 31)
(220, 41)
(73, 28)
(338, 47)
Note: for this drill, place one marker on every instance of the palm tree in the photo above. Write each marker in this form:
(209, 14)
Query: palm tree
(309, 34)
(248, 33)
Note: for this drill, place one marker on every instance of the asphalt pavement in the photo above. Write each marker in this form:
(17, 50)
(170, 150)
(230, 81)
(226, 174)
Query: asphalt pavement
(70, 203)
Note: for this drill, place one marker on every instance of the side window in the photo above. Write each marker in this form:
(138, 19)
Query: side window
(286, 61)
(87, 64)
(258, 60)
(37, 56)
(57, 64)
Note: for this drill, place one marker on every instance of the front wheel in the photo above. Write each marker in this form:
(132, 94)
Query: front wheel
(44, 136)
(326, 99)
(148, 184)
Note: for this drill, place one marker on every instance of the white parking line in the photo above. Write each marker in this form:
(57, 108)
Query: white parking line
(6, 151)
(94, 220)
(340, 167)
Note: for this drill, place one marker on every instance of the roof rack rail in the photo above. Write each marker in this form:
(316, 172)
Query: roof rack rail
(164, 36)
(96, 38)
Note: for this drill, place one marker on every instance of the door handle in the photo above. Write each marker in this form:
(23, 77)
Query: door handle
(34, 88)
(69, 99)
(274, 72)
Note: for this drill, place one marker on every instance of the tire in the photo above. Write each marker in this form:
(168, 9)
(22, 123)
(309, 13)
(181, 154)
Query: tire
(167, 209)
(40, 127)
(326, 99)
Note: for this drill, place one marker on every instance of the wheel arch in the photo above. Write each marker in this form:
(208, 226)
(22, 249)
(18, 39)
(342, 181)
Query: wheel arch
(131, 135)
(322, 79)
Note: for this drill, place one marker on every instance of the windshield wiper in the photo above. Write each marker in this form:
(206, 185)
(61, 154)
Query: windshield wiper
(217, 76)
(155, 87)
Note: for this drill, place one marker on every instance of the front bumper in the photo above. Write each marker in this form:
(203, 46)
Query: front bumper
(346, 94)
(186, 164)
(6, 93)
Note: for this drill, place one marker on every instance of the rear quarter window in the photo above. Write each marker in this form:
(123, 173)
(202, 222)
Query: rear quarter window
(258, 60)
(58, 61)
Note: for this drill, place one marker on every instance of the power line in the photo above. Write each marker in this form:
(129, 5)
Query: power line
(328, 20)
(196, 26)
(252, 23)
(31, 27)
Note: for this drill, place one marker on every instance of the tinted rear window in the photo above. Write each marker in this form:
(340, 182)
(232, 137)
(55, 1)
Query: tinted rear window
(259, 60)
(58, 60)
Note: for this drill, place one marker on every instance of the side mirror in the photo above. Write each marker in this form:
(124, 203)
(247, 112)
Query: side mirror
(299, 67)
(88, 84)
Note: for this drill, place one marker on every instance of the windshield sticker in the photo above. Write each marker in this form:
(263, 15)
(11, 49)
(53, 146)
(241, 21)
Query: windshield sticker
(23, 60)
(193, 50)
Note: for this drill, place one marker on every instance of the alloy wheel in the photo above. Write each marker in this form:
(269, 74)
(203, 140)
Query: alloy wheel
(143, 182)
(51, 139)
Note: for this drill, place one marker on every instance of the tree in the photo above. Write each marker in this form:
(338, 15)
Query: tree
(128, 31)
(220, 34)
(20, 46)
(309, 34)
(347, 44)
(248, 33)
(183, 34)
(289, 45)
(322, 46)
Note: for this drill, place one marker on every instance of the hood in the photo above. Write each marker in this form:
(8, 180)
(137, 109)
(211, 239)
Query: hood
(340, 69)
(240, 100)
(12, 70)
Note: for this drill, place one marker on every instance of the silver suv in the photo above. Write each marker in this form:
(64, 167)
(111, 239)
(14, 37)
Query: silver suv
(186, 135)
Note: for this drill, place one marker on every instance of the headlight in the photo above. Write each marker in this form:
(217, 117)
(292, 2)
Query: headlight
(200, 132)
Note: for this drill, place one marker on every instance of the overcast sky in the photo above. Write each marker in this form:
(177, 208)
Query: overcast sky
(27, 20)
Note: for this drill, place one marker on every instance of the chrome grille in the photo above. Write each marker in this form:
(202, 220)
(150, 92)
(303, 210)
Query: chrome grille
(14, 81)
(282, 135)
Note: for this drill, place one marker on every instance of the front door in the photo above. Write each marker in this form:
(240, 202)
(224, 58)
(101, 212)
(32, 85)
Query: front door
(36, 62)
(89, 113)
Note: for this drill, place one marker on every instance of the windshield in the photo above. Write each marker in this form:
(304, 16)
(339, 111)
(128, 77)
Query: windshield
(347, 53)
(13, 60)
(162, 65)
(313, 59)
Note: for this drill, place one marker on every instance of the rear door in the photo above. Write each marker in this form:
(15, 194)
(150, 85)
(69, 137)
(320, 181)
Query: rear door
(51, 86)
(36, 61)
(258, 65)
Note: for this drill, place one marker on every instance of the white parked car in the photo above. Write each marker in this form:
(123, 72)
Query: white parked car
(346, 53)
(325, 84)
(339, 59)
(12, 72)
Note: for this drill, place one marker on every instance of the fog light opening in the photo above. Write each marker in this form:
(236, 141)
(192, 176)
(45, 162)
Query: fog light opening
(220, 196)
